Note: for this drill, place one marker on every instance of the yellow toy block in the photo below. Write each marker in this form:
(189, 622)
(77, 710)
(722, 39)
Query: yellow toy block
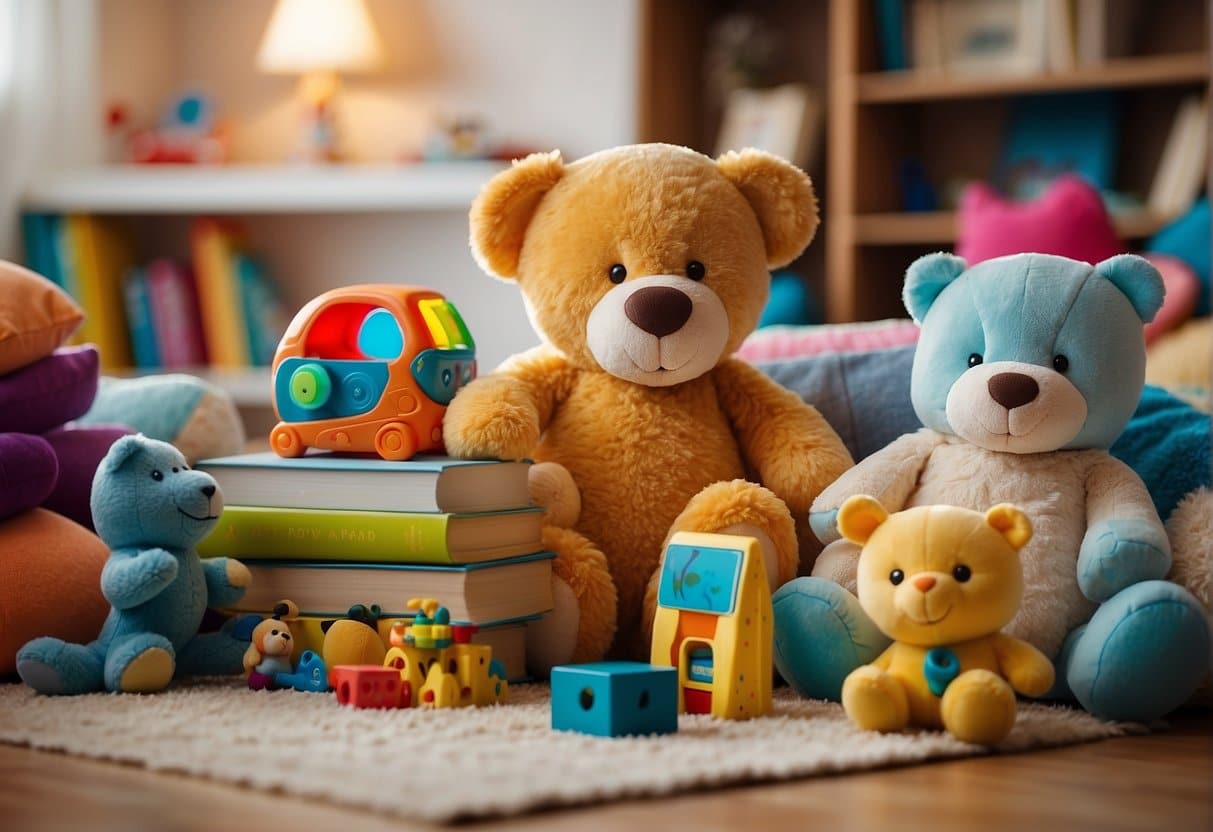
(714, 624)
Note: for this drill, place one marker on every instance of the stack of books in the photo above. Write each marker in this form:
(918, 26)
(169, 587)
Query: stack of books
(330, 531)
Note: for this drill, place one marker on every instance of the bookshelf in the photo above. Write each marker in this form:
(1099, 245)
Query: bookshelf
(952, 124)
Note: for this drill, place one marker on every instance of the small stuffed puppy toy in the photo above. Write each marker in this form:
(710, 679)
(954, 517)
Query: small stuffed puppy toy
(151, 509)
(941, 582)
(643, 268)
(269, 651)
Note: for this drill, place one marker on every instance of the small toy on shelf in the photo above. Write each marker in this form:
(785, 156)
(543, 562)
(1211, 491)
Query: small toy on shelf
(188, 133)
(714, 624)
(363, 686)
(269, 652)
(615, 699)
(353, 639)
(310, 676)
(942, 581)
(370, 368)
(437, 660)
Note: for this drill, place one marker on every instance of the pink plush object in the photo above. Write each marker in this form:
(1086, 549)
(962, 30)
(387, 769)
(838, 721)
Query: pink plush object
(1183, 288)
(777, 342)
(1069, 219)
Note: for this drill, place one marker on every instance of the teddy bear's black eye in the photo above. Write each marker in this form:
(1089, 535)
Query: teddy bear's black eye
(618, 273)
(896, 577)
(157, 476)
(975, 359)
(1061, 363)
(696, 270)
(962, 573)
(175, 469)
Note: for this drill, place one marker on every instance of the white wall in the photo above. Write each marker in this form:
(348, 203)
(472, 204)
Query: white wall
(547, 73)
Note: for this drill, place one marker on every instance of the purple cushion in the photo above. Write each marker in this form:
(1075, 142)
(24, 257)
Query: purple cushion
(28, 470)
(47, 393)
(79, 450)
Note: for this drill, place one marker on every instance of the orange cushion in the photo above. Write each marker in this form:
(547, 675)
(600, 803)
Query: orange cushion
(50, 582)
(36, 317)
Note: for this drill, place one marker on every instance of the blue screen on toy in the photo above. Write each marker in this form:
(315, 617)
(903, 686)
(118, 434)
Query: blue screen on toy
(700, 579)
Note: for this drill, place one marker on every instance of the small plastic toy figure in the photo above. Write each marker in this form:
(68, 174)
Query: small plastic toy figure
(269, 652)
(370, 368)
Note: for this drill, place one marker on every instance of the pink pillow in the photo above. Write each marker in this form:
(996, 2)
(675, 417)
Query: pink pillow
(1069, 219)
(1183, 288)
(776, 342)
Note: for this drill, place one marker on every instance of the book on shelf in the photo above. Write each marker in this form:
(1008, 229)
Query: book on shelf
(95, 256)
(322, 480)
(175, 319)
(500, 590)
(373, 536)
(139, 319)
(213, 246)
(506, 638)
(1182, 166)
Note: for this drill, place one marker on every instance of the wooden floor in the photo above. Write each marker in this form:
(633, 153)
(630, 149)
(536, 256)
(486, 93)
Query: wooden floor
(1159, 782)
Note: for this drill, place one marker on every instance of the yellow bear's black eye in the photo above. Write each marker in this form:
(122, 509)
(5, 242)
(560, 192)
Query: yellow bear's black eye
(618, 273)
(696, 270)
(896, 577)
(962, 573)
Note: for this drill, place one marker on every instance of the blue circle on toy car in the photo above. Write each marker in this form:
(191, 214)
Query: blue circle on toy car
(358, 392)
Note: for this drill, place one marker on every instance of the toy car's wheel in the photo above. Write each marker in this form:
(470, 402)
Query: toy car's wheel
(311, 386)
(286, 442)
(395, 441)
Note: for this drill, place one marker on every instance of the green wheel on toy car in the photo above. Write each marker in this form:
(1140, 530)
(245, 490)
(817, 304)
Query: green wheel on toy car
(311, 386)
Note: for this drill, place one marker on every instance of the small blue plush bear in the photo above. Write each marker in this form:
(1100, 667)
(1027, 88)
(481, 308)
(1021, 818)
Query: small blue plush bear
(1027, 370)
(151, 509)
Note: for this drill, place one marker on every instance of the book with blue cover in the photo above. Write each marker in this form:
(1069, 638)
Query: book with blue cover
(320, 480)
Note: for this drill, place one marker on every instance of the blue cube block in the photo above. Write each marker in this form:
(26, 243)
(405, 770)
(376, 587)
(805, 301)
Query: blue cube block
(615, 699)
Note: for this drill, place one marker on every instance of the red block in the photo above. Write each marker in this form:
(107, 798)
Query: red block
(368, 686)
(697, 701)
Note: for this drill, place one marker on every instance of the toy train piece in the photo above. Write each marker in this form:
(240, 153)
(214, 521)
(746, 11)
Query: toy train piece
(431, 664)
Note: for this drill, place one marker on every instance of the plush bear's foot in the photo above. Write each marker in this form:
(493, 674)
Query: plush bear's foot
(1141, 655)
(213, 654)
(875, 701)
(140, 663)
(821, 635)
(978, 707)
(839, 563)
(54, 667)
(581, 625)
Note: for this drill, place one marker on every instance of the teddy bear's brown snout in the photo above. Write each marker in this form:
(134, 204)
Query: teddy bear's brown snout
(658, 310)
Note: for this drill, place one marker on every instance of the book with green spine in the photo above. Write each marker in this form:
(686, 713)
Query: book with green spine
(373, 536)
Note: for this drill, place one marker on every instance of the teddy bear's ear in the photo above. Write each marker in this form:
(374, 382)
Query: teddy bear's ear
(782, 197)
(121, 451)
(859, 516)
(1011, 523)
(503, 210)
(926, 278)
(1139, 280)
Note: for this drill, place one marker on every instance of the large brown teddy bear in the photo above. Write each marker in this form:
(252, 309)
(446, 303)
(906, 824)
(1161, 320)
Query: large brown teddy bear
(643, 268)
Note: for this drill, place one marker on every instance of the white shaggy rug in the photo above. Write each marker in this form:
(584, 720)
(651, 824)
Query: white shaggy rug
(453, 764)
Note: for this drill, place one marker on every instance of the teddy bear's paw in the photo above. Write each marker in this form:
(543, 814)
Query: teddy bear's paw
(978, 707)
(874, 700)
(825, 525)
(821, 635)
(1118, 554)
(54, 667)
(552, 488)
(237, 573)
(839, 562)
(491, 418)
(1142, 654)
(139, 663)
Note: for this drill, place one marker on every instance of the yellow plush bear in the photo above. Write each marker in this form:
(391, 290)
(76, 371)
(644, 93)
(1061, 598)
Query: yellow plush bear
(643, 268)
(942, 581)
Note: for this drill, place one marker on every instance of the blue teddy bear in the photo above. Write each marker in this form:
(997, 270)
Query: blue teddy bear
(151, 509)
(1027, 370)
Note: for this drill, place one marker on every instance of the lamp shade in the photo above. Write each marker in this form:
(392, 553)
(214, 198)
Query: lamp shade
(319, 35)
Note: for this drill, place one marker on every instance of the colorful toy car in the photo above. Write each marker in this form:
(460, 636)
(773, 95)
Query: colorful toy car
(370, 368)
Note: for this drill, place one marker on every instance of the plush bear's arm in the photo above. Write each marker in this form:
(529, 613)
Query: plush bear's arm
(226, 580)
(1125, 542)
(1025, 667)
(786, 442)
(889, 475)
(502, 415)
(885, 659)
(135, 576)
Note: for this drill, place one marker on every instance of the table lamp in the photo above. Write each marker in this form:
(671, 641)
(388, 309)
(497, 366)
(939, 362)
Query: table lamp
(318, 39)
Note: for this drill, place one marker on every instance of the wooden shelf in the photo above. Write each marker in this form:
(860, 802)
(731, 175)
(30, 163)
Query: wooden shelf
(251, 189)
(249, 387)
(940, 227)
(1144, 71)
